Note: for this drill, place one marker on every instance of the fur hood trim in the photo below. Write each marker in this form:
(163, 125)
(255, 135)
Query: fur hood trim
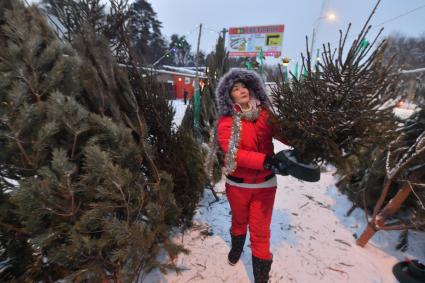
(250, 78)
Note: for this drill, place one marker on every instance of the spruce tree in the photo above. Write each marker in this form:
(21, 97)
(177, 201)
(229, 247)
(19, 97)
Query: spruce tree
(338, 107)
(74, 16)
(393, 184)
(145, 32)
(175, 150)
(180, 50)
(89, 205)
(389, 186)
(365, 186)
(340, 111)
(141, 103)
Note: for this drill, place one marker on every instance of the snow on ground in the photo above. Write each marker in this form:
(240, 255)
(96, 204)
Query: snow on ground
(312, 240)
(180, 110)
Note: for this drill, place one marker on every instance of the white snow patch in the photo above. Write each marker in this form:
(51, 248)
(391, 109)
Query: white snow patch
(403, 113)
(180, 108)
(12, 182)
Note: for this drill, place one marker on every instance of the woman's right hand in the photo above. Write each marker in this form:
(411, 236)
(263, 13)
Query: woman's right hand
(275, 165)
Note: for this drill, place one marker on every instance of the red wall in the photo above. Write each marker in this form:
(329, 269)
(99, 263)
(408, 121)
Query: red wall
(180, 86)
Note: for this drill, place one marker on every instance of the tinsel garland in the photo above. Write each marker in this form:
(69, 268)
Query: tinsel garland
(235, 137)
(230, 159)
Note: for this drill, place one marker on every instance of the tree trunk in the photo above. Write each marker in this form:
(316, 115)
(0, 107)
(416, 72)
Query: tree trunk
(392, 207)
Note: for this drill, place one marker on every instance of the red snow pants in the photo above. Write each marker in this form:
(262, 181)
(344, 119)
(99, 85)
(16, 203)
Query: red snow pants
(253, 208)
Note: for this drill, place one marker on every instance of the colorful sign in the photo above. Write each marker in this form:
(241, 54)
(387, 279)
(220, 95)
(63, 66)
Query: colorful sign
(248, 41)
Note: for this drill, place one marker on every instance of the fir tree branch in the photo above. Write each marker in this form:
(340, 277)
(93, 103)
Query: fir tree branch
(33, 91)
(401, 227)
(73, 210)
(406, 159)
(136, 70)
(28, 160)
(13, 228)
(416, 195)
(384, 193)
(126, 201)
(155, 169)
(51, 210)
(352, 208)
(395, 171)
(382, 197)
(95, 205)
(365, 211)
(129, 123)
(74, 145)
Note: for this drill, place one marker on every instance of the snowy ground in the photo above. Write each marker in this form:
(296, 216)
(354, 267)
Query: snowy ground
(180, 110)
(312, 240)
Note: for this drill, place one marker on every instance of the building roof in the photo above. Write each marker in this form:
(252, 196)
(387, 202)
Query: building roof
(178, 71)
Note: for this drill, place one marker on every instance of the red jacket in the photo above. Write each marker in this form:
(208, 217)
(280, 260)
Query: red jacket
(255, 143)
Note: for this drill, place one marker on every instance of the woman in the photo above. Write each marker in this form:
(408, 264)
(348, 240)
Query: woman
(244, 133)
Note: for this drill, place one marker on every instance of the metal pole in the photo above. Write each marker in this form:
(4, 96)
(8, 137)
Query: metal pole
(316, 25)
(224, 48)
(160, 58)
(196, 104)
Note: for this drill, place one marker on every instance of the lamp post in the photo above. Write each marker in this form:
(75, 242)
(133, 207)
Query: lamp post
(330, 17)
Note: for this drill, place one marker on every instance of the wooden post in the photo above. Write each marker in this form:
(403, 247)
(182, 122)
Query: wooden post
(390, 209)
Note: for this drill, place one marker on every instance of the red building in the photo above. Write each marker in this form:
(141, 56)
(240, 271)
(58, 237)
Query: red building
(177, 80)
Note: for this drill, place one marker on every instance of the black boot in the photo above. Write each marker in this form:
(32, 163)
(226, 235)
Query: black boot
(261, 268)
(236, 250)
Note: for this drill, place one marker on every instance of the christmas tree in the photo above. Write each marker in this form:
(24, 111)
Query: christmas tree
(83, 145)
(389, 186)
(399, 173)
(340, 112)
(337, 109)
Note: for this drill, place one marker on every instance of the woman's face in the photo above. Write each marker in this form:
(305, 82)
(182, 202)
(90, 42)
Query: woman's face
(240, 93)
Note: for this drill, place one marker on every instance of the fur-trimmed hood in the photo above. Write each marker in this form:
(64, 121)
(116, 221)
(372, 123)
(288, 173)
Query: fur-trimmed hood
(250, 78)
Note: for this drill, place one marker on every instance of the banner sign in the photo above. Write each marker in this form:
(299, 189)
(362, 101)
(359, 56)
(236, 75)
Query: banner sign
(248, 41)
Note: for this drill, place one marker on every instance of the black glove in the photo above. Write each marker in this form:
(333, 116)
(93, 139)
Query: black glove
(276, 165)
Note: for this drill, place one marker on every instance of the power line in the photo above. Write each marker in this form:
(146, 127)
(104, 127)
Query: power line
(399, 16)
(389, 20)
(210, 29)
(172, 49)
(192, 31)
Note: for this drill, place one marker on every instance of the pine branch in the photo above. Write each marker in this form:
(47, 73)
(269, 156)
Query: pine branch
(416, 195)
(125, 200)
(34, 93)
(18, 142)
(20, 231)
(402, 227)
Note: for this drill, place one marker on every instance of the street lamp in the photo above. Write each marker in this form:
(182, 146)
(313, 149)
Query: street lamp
(285, 63)
(329, 17)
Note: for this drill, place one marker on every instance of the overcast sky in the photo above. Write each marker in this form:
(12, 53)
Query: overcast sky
(298, 16)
